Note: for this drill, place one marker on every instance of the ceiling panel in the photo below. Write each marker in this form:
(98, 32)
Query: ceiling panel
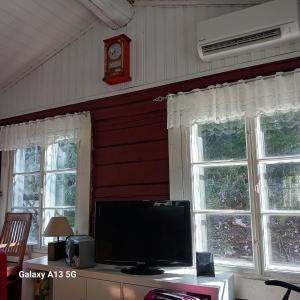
(31, 30)
(196, 2)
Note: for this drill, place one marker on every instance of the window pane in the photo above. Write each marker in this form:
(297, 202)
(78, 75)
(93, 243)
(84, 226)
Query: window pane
(228, 237)
(223, 187)
(34, 229)
(49, 213)
(26, 191)
(282, 181)
(221, 141)
(60, 189)
(284, 235)
(27, 160)
(62, 155)
(281, 134)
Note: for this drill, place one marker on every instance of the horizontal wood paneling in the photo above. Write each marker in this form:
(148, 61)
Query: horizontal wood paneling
(149, 191)
(133, 190)
(131, 121)
(132, 198)
(130, 135)
(130, 156)
(126, 109)
(131, 150)
(132, 173)
(163, 50)
(148, 151)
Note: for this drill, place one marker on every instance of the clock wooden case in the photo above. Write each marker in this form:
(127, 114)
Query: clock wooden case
(117, 59)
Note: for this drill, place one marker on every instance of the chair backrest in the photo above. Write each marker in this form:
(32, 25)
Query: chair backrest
(3, 272)
(14, 235)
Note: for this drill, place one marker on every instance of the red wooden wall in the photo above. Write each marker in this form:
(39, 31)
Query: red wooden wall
(130, 151)
(130, 144)
(130, 157)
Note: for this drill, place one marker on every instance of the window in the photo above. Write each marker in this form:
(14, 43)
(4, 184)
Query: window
(245, 187)
(278, 147)
(46, 170)
(44, 183)
(221, 192)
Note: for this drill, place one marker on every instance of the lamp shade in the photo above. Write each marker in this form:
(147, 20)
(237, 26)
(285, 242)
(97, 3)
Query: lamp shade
(58, 226)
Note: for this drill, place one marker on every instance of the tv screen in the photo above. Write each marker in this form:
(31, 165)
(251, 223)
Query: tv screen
(144, 234)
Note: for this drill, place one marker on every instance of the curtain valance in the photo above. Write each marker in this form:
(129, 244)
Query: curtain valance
(44, 132)
(225, 102)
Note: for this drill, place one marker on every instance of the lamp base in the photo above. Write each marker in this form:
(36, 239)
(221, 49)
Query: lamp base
(56, 250)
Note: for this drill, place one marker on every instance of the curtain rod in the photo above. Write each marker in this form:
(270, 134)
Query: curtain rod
(84, 113)
(218, 85)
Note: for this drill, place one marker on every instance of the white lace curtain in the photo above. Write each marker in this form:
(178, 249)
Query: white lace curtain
(44, 132)
(221, 103)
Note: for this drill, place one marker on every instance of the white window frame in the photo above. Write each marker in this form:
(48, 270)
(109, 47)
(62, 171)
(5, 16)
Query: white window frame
(42, 172)
(83, 186)
(181, 186)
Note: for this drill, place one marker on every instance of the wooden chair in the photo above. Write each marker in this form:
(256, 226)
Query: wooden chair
(3, 280)
(13, 240)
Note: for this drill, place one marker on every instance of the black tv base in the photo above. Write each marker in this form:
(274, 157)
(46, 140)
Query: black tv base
(142, 270)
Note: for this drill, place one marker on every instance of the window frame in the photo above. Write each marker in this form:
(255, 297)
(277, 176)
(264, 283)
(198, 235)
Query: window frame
(84, 172)
(247, 162)
(42, 172)
(264, 212)
(10, 207)
(181, 187)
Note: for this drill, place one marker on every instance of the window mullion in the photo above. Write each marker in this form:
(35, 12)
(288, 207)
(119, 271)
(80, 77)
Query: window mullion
(26, 173)
(254, 196)
(41, 195)
(221, 163)
(62, 171)
(222, 212)
(281, 212)
(11, 175)
(283, 159)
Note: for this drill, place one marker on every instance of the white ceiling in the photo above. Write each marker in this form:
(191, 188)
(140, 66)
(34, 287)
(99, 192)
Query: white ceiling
(197, 2)
(31, 30)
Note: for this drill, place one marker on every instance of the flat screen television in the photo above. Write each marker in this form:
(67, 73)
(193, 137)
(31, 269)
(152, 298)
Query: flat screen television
(145, 235)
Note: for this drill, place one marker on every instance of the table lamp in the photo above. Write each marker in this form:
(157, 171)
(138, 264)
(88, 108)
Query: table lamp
(57, 226)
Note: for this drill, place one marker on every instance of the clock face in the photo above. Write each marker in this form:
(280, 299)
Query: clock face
(114, 51)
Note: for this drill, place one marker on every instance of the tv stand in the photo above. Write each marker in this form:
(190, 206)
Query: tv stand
(142, 270)
(107, 282)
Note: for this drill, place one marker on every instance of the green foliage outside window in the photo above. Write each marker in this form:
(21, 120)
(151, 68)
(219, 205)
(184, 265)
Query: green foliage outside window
(281, 134)
(223, 141)
(59, 183)
(225, 187)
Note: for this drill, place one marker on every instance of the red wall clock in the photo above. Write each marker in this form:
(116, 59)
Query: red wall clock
(117, 59)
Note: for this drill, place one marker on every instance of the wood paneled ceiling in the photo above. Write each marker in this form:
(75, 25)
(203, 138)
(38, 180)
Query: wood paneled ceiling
(32, 30)
(196, 2)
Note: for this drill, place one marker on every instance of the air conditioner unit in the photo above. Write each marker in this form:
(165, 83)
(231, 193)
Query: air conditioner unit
(256, 27)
